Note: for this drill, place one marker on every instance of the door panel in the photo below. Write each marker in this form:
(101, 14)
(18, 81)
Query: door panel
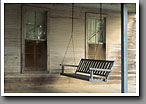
(29, 61)
(29, 54)
(41, 54)
(35, 55)
(96, 51)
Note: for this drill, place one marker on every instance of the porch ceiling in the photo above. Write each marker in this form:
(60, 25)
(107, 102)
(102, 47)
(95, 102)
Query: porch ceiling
(108, 6)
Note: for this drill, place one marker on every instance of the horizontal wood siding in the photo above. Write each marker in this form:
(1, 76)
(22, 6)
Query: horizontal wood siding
(58, 35)
(12, 34)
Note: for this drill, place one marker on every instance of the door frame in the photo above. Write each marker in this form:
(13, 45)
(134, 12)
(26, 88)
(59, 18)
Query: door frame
(23, 12)
(87, 15)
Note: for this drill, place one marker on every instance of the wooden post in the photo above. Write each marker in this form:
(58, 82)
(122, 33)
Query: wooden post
(124, 52)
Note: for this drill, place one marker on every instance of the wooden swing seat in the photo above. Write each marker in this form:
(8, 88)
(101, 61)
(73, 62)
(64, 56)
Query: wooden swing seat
(93, 67)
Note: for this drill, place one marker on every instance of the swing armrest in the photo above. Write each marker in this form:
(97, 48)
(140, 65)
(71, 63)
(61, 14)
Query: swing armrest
(95, 69)
(67, 66)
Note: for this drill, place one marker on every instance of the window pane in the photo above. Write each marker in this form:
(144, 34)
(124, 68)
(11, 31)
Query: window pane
(30, 31)
(30, 23)
(30, 17)
(40, 25)
(95, 30)
(91, 30)
(100, 30)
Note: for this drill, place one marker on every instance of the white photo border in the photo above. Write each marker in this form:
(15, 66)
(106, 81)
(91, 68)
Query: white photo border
(70, 94)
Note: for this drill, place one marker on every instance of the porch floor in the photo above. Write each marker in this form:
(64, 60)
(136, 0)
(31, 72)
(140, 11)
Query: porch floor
(48, 83)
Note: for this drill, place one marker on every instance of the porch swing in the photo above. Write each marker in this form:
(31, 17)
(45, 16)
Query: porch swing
(96, 70)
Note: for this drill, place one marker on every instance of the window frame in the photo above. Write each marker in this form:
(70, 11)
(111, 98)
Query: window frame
(24, 8)
(93, 15)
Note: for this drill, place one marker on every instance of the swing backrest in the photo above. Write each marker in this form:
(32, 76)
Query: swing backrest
(86, 64)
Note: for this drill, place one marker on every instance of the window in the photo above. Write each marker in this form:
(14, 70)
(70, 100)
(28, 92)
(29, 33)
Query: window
(35, 25)
(96, 30)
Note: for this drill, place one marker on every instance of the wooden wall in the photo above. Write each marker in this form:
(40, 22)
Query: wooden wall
(132, 44)
(58, 35)
(12, 35)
